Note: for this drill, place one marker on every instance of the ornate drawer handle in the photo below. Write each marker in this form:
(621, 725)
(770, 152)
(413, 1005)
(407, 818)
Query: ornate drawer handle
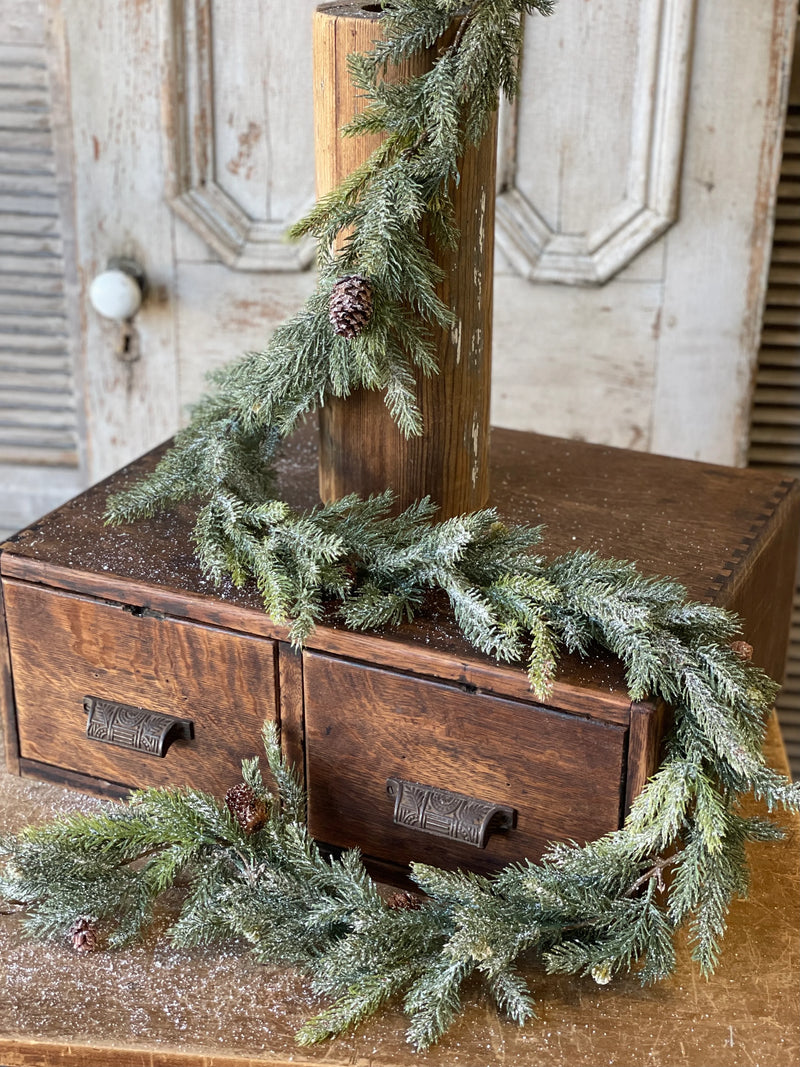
(136, 728)
(446, 814)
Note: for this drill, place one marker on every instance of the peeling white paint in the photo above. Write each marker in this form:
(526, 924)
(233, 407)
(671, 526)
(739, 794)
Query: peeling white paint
(457, 338)
(476, 347)
(477, 282)
(476, 440)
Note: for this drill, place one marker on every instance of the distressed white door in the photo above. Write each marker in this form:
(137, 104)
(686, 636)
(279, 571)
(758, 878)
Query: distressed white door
(635, 214)
(637, 221)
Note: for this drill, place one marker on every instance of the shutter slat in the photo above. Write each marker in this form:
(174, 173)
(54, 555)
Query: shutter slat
(782, 316)
(24, 121)
(784, 253)
(26, 161)
(784, 275)
(31, 53)
(35, 437)
(21, 265)
(28, 244)
(786, 211)
(33, 225)
(775, 354)
(782, 336)
(774, 455)
(785, 377)
(34, 350)
(782, 296)
(768, 417)
(24, 387)
(27, 183)
(26, 98)
(777, 434)
(786, 231)
(35, 141)
(33, 311)
(29, 204)
(771, 396)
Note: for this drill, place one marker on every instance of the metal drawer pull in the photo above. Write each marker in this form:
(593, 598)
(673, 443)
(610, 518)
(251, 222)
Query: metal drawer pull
(446, 814)
(136, 728)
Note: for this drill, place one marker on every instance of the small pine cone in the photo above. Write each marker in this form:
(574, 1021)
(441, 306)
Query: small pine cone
(350, 306)
(602, 973)
(83, 935)
(404, 902)
(742, 650)
(247, 809)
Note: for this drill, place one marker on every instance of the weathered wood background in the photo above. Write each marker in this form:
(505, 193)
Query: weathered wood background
(643, 155)
(637, 183)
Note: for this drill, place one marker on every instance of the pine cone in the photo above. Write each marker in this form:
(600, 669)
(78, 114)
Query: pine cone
(742, 650)
(404, 902)
(351, 306)
(247, 809)
(83, 935)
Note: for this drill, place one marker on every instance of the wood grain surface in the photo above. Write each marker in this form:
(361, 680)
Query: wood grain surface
(152, 1006)
(158, 624)
(8, 717)
(290, 702)
(649, 723)
(66, 647)
(361, 449)
(561, 774)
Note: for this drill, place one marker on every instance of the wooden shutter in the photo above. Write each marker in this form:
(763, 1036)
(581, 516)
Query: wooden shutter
(775, 420)
(38, 421)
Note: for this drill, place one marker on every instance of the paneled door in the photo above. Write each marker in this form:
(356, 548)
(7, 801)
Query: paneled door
(637, 180)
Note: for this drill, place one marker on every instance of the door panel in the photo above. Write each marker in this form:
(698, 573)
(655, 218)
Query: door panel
(240, 135)
(611, 137)
(644, 143)
(662, 357)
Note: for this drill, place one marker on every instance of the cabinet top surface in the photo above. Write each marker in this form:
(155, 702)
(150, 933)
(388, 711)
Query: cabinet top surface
(696, 523)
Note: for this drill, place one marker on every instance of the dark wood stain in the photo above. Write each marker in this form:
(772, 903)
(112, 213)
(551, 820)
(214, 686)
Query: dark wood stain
(125, 614)
(363, 725)
(66, 647)
(361, 449)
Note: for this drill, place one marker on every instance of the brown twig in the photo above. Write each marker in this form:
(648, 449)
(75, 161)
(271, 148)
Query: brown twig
(654, 872)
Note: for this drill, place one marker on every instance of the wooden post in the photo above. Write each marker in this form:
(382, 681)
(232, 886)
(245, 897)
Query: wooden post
(361, 450)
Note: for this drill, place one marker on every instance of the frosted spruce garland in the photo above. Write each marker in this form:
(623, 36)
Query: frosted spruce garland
(600, 909)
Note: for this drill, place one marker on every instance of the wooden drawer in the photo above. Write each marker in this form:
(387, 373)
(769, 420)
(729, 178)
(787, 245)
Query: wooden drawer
(66, 648)
(562, 775)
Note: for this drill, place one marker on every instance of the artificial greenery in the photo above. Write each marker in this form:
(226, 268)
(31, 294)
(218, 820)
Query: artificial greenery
(597, 910)
(600, 909)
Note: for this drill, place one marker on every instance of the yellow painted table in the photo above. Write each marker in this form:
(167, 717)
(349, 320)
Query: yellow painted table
(155, 1006)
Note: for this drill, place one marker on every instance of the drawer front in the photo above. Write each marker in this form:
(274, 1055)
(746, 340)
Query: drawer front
(561, 774)
(66, 648)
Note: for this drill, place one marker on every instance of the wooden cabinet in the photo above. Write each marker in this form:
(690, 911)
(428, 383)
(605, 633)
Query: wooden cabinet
(412, 745)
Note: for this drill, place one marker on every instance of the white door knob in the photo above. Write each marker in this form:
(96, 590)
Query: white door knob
(116, 293)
